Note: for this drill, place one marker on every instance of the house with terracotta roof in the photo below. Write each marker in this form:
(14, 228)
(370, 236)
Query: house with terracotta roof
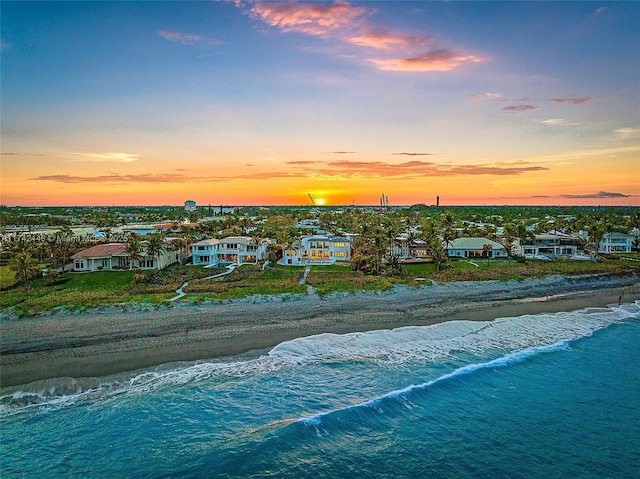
(113, 256)
(101, 257)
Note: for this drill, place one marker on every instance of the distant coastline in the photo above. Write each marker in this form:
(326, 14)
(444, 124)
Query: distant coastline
(110, 341)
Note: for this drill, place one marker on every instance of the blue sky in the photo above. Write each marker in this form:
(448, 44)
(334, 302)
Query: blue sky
(261, 102)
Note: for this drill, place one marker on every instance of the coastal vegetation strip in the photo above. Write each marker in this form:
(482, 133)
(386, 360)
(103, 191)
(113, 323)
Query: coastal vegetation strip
(81, 291)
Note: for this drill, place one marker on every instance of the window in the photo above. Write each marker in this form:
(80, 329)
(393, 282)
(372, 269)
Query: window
(338, 245)
(339, 253)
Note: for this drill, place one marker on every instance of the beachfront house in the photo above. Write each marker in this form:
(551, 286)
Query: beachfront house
(205, 252)
(616, 243)
(550, 246)
(317, 249)
(476, 248)
(233, 249)
(113, 256)
(409, 249)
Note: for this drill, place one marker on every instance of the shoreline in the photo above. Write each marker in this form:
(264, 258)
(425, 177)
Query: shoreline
(97, 344)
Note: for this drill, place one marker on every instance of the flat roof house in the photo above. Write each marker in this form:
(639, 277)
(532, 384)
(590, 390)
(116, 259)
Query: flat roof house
(616, 243)
(549, 245)
(317, 249)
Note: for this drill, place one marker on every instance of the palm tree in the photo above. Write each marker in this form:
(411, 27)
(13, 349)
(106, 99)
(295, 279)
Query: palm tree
(379, 243)
(596, 232)
(155, 246)
(24, 266)
(438, 251)
(178, 245)
(133, 247)
(486, 249)
(448, 235)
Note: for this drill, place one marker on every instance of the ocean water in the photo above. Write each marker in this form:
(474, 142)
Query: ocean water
(544, 396)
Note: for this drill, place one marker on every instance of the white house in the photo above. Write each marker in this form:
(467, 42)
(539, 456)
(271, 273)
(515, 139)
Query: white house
(317, 249)
(113, 256)
(205, 251)
(549, 245)
(615, 243)
(475, 248)
(233, 249)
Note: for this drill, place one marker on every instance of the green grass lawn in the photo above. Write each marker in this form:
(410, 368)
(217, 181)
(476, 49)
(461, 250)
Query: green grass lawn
(7, 277)
(247, 280)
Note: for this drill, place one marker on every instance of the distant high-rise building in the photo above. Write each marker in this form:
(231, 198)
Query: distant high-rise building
(190, 206)
(438, 200)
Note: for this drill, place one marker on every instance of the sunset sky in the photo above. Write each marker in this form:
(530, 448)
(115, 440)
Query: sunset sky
(260, 103)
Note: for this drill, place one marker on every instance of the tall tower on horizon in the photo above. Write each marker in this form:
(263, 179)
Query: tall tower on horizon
(438, 200)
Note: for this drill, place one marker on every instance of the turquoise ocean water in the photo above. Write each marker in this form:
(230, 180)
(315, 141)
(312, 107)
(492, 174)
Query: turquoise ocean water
(544, 396)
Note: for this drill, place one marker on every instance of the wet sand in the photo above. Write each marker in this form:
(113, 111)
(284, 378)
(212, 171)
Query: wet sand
(100, 343)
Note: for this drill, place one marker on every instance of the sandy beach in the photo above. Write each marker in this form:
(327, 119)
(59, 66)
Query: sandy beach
(110, 341)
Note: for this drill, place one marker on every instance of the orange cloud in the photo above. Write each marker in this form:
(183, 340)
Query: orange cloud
(350, 26)
(308, 18)
(143, 178)
(332, 170)
(386, 40)
(411, 169)
(441, 60)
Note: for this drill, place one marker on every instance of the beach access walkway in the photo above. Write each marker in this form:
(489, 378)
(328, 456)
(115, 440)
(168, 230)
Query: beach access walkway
(181, 292)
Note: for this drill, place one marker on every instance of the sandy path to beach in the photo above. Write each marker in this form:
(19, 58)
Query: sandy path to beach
(107, 342)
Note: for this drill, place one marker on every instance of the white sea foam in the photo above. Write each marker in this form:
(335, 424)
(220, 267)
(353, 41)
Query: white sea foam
(439, 343)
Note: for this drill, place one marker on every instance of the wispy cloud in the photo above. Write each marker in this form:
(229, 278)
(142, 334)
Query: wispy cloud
(187, 38)
(514, 109)
(412, 154)
(571, 101)
(628, 132)
(558, 122)
(412, 169)
(103, 157)
(437, 60)
(332, 170)
(601, 10)
(343, 152)
(386, 40)
(350, 26)
(599, 194)
(117, 178)
(13, 153)
(488, 97)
